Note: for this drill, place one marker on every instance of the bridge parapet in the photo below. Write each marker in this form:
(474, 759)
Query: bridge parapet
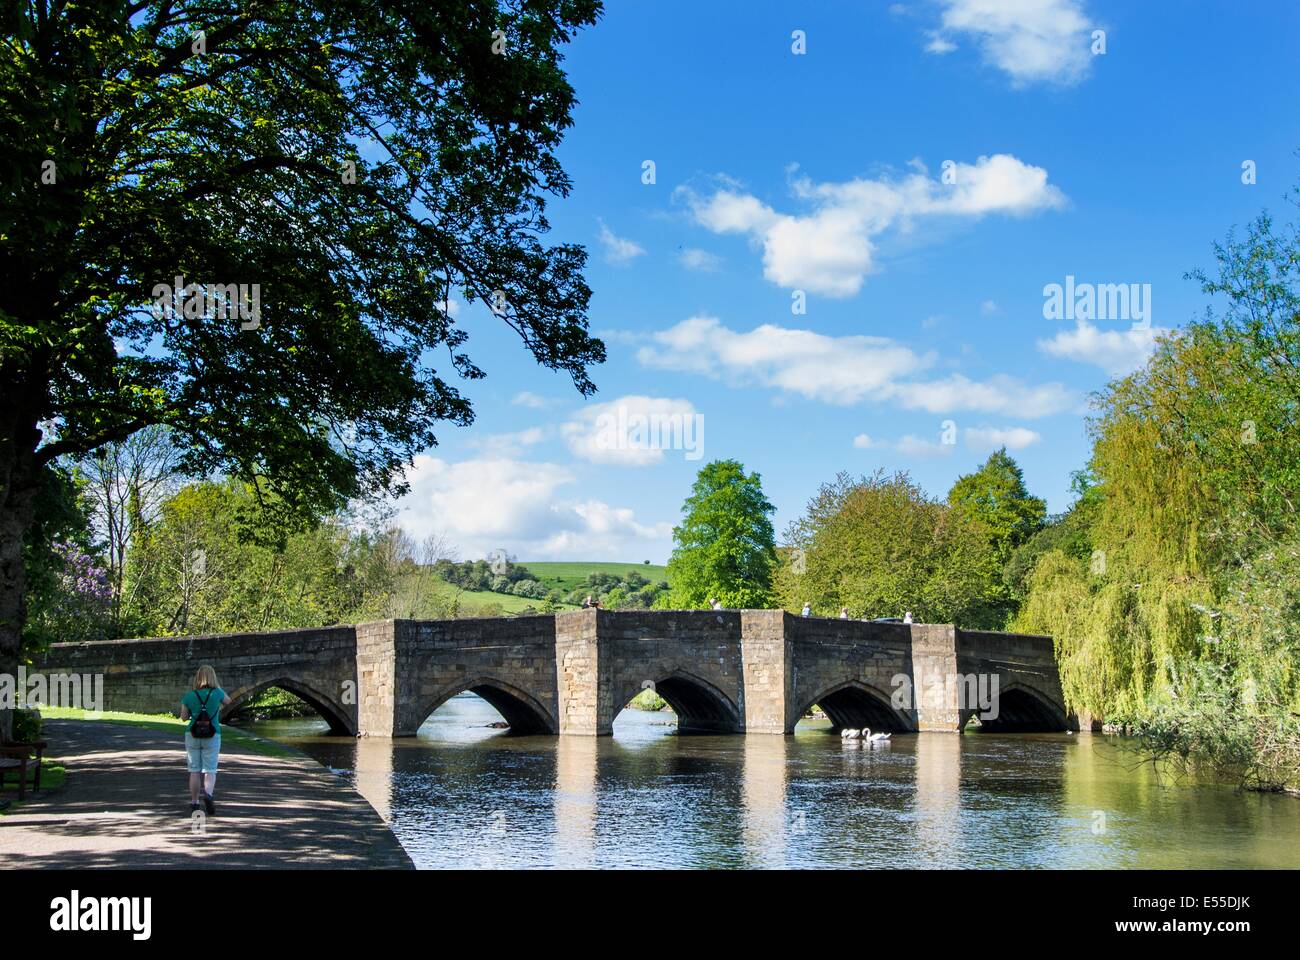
(149, 675)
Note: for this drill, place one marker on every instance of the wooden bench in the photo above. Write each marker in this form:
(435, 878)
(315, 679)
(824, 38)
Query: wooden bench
(19, 756)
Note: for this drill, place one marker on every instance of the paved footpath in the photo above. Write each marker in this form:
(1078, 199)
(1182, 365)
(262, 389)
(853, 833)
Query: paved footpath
(126, 804)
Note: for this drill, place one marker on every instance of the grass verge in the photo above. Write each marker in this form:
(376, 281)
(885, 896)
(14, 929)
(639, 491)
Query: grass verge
(161, 721)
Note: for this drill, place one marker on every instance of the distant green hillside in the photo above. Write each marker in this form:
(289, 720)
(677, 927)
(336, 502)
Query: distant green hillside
(568, 576)
(473, 601)
(442, 598)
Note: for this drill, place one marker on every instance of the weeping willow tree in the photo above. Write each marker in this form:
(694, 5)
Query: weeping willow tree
(1119, 643)
(1124, 617)
(1190, 596)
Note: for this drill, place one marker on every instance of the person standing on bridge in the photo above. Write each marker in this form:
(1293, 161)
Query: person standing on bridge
(202, 707)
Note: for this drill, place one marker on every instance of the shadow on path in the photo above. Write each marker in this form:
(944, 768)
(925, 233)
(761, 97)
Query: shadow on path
(126, 804)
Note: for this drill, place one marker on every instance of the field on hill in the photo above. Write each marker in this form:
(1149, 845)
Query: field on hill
(563, 576)
(567, 576)
(473, 600)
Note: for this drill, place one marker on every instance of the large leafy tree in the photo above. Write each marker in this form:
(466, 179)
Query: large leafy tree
(995, 497)
(879, 546)
(725, 546)
(362, 164)
(191, 572)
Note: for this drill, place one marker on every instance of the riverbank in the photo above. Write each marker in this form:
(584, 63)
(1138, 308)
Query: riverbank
(125, 804)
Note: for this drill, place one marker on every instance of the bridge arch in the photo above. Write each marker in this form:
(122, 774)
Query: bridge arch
(854, 704)
(520, 709)
(341, 721)
(1022, 709)
(700, 706)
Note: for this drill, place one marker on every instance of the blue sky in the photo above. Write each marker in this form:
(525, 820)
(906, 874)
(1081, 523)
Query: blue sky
(823, 172)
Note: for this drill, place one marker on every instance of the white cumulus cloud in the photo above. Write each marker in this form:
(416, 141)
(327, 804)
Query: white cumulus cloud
(998, 394)
(830, 248)
(1118, 352)
(520, 506)
(913, 446)
(991, 438)
(692, 258)
(619, 251)
(635, 431)
(526, 398)
(1032, 41)
(841, 370)
(939, 45)
(510, 444)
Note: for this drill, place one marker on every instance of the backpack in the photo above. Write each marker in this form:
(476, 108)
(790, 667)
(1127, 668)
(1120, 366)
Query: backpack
(203, 728)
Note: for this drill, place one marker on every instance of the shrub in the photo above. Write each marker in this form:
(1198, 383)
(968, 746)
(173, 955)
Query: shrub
(27, 726)
(1216, 723)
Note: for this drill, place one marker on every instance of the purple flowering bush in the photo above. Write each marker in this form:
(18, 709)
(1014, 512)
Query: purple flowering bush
(74, 602)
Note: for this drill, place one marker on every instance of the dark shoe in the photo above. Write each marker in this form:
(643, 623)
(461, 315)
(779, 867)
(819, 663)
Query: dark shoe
(208, 805)
(194, 808)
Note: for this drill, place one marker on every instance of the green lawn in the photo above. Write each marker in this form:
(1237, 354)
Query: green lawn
(163, 721)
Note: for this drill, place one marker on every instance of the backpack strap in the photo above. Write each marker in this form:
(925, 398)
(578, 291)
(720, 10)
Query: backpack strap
(203, 704)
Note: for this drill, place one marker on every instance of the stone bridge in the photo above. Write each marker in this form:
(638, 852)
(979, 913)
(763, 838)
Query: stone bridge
(733, 671)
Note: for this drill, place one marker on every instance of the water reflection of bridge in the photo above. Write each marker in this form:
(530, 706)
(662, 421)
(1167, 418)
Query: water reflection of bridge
(739, 671)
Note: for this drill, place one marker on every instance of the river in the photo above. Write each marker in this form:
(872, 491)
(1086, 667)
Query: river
(464, 795)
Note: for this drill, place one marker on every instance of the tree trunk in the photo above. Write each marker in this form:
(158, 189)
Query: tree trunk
(18, 472)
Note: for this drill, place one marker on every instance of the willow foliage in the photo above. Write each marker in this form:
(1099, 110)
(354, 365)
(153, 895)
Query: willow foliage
(1192, 581)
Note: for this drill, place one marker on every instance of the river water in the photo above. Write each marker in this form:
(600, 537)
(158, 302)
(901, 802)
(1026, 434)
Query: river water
(464, 795)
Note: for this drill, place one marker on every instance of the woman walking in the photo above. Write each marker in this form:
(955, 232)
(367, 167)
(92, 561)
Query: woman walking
(202, 707)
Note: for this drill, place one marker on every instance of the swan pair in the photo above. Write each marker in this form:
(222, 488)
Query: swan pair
(863, 734)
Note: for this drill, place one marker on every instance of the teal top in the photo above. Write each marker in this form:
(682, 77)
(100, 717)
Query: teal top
(194, 702)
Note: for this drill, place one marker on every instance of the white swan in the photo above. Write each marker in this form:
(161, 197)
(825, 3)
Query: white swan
(870, 737)
(848, 734)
